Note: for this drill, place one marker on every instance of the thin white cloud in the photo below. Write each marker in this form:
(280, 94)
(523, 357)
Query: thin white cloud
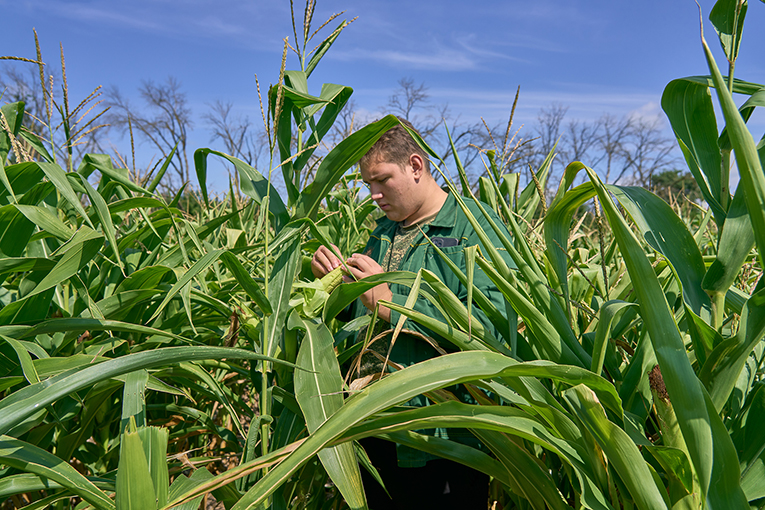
(650, 111)
(495, 105)
(87, 14)
(178, 19)
(462, 55)
(473, 45)
(444, 60)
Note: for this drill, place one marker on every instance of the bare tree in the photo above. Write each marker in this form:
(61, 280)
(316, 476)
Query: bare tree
(580, 138)
(407, 98)
(548, 130)
(626, 149)
(164, 126)
(613, 133)
(238, 135)
(17, 85)
(346, 123)
(412, 102)
(647, 152)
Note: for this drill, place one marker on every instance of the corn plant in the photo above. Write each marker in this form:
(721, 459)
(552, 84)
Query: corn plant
(634, 390)
(626, 373)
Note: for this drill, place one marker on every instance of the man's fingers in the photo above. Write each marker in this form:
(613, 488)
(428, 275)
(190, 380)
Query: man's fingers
(323, 262)
(364, 263)
(362, 266)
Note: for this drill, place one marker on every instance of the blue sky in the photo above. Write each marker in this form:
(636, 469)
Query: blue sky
(593, 56)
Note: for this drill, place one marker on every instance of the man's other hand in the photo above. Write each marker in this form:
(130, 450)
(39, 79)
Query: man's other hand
(362, 266)
(325, 261)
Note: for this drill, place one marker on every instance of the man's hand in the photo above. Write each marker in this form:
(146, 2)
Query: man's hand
(362, 266)
(324, 261)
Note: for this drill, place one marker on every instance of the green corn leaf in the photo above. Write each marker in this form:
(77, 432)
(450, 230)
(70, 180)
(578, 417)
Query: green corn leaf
(495, 317)
(337, 162)
(747, 159)
(14, 116)
(59, 178)
(251, 182)
(103, 163)
(621, 452)
(102, 211)
(135, 489)
(296, 90)
(29, 482)
(217, 390)
(279, 290)
(120, 305)
(46, 221)
(183, 483)
(558, 223)
(25, 360)
(453, 451)
(487, 420)
(688, 106)
(710, 452)
(750, 441)
(606, 315)
(529, 199)
(456, 337)
(200, 265)
(154, 443)
(94, 324)
(543, 297)
(145, 278)
(550, 345)
(15, 231)
(24, 176)
(735, 244)
(318, 390)
(725, 363)
(30, 459)
(728, 18)
(133, 399)
(4, 180)
(336, 96)
(162, 170)
(400, 387)
(322, 48)
(24, 403)
(137, 203)
(245, 280)
(436, 293)
(456, 310)
(78, 252)
(667, 234)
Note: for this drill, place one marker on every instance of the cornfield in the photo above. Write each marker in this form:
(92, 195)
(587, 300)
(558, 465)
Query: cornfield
(150, 358)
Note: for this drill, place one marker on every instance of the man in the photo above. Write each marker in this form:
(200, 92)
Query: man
(396, 170)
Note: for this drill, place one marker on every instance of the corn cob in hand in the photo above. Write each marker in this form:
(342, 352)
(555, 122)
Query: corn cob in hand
(331, 280)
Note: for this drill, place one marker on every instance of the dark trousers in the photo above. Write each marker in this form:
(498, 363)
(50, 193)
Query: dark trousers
(440, 484)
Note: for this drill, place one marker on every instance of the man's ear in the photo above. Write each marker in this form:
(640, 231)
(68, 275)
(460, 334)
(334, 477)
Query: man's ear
(417, 164)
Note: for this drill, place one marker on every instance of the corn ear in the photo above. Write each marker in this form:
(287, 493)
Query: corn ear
(331, 280)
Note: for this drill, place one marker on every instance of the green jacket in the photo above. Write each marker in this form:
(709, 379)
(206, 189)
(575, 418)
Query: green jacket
(449, 224)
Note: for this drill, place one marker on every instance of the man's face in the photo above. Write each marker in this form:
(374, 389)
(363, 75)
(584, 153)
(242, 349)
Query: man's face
(392, 188)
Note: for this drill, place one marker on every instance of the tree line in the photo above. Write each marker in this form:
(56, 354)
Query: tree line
(627, 149)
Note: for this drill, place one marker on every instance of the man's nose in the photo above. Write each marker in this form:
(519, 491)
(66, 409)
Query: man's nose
(375, 192)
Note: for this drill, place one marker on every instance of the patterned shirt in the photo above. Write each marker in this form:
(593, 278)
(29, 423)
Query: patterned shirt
(402, 240)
